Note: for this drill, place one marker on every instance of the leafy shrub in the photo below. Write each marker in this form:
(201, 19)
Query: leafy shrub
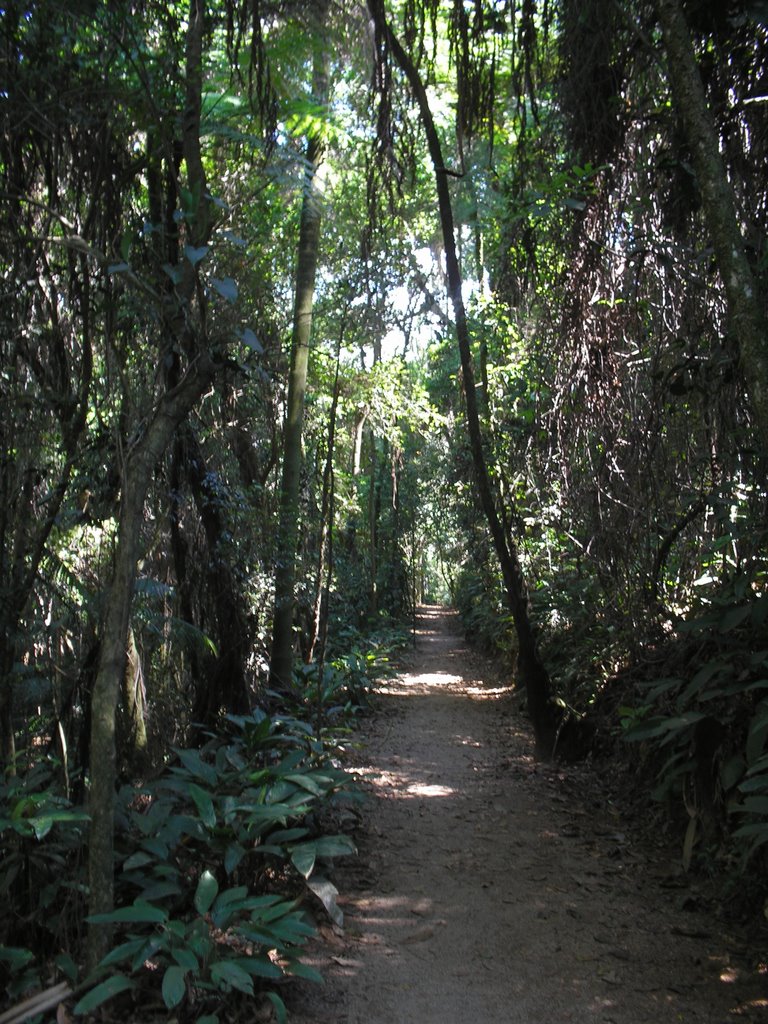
(42, 837)
(706, 724)
(213, 861)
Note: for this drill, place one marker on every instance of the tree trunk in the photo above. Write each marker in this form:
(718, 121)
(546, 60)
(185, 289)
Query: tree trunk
(140, 461)
(531, 668)
(134, 729)
(137, 476)
(719, 207)
(281, 662)
(326, 520)
(225, 684)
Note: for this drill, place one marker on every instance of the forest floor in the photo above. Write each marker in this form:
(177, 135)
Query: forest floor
(492, 888)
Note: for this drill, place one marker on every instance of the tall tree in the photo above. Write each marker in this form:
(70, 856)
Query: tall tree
(187, 325)
(748, 324)
(281, 665)
(532, 669)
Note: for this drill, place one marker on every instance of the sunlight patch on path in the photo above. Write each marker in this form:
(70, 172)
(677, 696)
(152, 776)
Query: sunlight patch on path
(421, 789)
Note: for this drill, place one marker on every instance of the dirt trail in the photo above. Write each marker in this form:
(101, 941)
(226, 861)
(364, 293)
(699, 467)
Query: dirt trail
(492, 889)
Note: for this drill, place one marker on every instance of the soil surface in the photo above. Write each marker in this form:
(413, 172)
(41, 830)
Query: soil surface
(492, 889)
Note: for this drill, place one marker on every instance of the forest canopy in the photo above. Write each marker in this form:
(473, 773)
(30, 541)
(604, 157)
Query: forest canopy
(315, 311)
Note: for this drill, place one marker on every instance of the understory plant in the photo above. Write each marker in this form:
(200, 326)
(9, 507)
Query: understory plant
(702, 717)
(219, 864)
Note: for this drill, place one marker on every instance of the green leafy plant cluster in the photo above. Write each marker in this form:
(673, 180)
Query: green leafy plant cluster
(332, 693)
(42, 836)
(214, 862)
(706, 725)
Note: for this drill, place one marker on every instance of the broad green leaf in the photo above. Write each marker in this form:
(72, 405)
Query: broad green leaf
(229, 896)
(754, 805)
(16, 957)
(204, 805)
(140, 912)
(228, 974)
(233, 855)
(186, 958)
(303, 858)
(260, 967)
(101, 993)
(196, 766)
(137, 860)
(124, 951)
(299, 970)
(207, 889)
(67, 966)
(174, 987)
(281, 1014)
(335, 846)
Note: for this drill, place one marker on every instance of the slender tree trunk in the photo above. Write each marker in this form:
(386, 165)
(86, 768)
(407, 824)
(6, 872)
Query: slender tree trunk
(137, 476)
(326, 522)
(532, 670)
(139, 465)
(134, 730)
(281, 663)
(719, 207)
(225, 684)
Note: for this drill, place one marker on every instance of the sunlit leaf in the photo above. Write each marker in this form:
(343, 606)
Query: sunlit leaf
(207, 889)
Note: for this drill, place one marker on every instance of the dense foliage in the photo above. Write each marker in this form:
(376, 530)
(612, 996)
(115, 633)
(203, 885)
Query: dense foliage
(159, 164)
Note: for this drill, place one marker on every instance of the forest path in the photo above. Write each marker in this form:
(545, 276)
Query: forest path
(492, 889)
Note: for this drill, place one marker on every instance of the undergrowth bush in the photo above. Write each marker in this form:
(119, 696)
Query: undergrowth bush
(701, 719)
(217, 860)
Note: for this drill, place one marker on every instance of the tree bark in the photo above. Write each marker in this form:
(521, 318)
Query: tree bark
(138, 466)
(718, 203)
(281, 662)
(531, 668)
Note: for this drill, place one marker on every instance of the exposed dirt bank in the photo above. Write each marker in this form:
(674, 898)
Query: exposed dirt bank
(492, 889)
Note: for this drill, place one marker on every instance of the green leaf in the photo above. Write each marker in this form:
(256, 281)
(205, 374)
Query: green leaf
(299, 970)
(335, 846)
(754, 805)
(101, 993)
(204, 805)
(186, 958)
(233, 855)
(16, 957)
(303, 858)
(196, 766)
(137, 860)
(281, 1013)
(260, 967)
(123, 952)
(140, 912)
(207, 889)
(227, 974)
(174, 986)
(67, 966)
